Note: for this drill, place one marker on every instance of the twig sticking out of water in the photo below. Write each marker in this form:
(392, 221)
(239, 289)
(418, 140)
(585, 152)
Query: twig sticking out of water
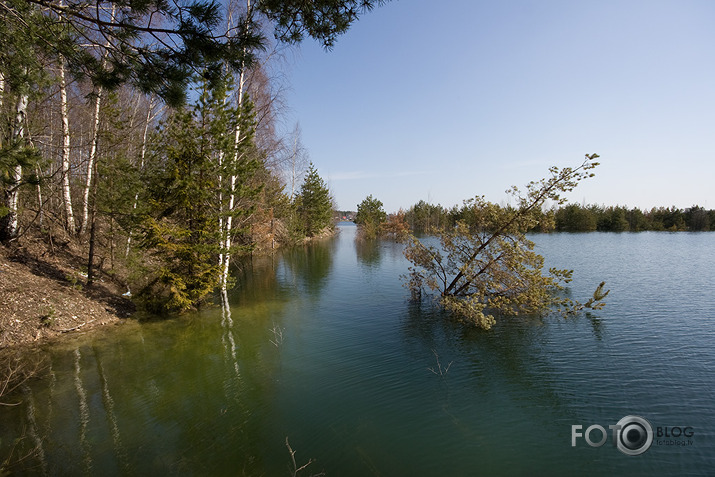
(14, 372)
(440, 371)
(277, 335)
(294, 471)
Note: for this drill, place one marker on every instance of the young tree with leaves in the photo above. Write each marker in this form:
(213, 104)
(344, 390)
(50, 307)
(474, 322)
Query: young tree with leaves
(396, 227)
(490, 268)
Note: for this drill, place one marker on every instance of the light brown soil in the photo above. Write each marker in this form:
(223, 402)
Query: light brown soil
(43, 294)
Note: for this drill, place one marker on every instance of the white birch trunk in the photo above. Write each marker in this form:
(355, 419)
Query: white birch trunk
(90, 164)
(220, 218)
(13, 191)
(225, 255)
(66, 192)
(232, 196)
(142, 156)
(40, 202)
(95, 141)
(2, 89)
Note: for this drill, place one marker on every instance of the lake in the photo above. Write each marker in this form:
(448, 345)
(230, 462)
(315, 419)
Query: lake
(322, 349)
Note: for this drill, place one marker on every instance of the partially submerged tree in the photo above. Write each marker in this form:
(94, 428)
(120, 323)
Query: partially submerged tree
(489, 267)
(396, 227)
(370, 217)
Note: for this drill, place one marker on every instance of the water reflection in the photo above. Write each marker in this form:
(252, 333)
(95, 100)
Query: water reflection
(33, 432)
(83, 412)
(308, 267)
(349, 382)
(255, 280)
(513, 349)
(227, 337)
(597, 325)
(184, 405)
(368, 252)
(109, 405)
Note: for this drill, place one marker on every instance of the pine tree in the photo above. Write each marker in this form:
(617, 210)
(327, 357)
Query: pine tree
(315, 207)
(180, 229)
(188, 197)
(158, 45)
(370, 216)
(154, 46)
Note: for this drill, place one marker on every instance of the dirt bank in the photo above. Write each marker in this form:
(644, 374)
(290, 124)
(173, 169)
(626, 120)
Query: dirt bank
(43, 293)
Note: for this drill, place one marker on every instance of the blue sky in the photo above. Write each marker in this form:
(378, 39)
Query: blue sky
(446, 100)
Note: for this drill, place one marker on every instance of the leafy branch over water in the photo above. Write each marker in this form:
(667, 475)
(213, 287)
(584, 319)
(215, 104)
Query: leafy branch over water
(485, 265)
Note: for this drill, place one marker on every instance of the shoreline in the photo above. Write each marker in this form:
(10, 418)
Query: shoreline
(43, 298)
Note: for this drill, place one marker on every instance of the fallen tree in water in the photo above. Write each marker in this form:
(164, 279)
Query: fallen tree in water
(485, 266)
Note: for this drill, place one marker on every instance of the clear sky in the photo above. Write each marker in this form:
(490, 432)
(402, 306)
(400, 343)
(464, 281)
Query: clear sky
(445, 100)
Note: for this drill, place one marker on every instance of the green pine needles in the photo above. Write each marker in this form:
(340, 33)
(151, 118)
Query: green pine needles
(370, 217)
(315, 206)
(198, 168)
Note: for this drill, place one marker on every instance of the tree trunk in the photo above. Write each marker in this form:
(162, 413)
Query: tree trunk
(232, 196)
(2, 90)
(92, 235)
(95, 141)
(9, 226)
(225, 256)
(66, 193)
(40, 202)
(142, 157)
(90, 164)
(90, 259)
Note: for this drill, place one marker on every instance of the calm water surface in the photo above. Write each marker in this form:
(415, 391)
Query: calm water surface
(320, 346)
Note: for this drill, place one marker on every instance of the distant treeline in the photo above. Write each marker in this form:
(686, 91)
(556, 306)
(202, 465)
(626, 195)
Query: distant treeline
(578, 218)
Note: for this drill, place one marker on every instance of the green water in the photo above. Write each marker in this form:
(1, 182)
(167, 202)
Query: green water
(321, 346)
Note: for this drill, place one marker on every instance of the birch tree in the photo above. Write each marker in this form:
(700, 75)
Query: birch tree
(189, 198)
(236, 171)
(21, 74)
(226, 219)
(95, 135)
(91, 162)
(65, 154)
(297, 159)
(12, 193)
